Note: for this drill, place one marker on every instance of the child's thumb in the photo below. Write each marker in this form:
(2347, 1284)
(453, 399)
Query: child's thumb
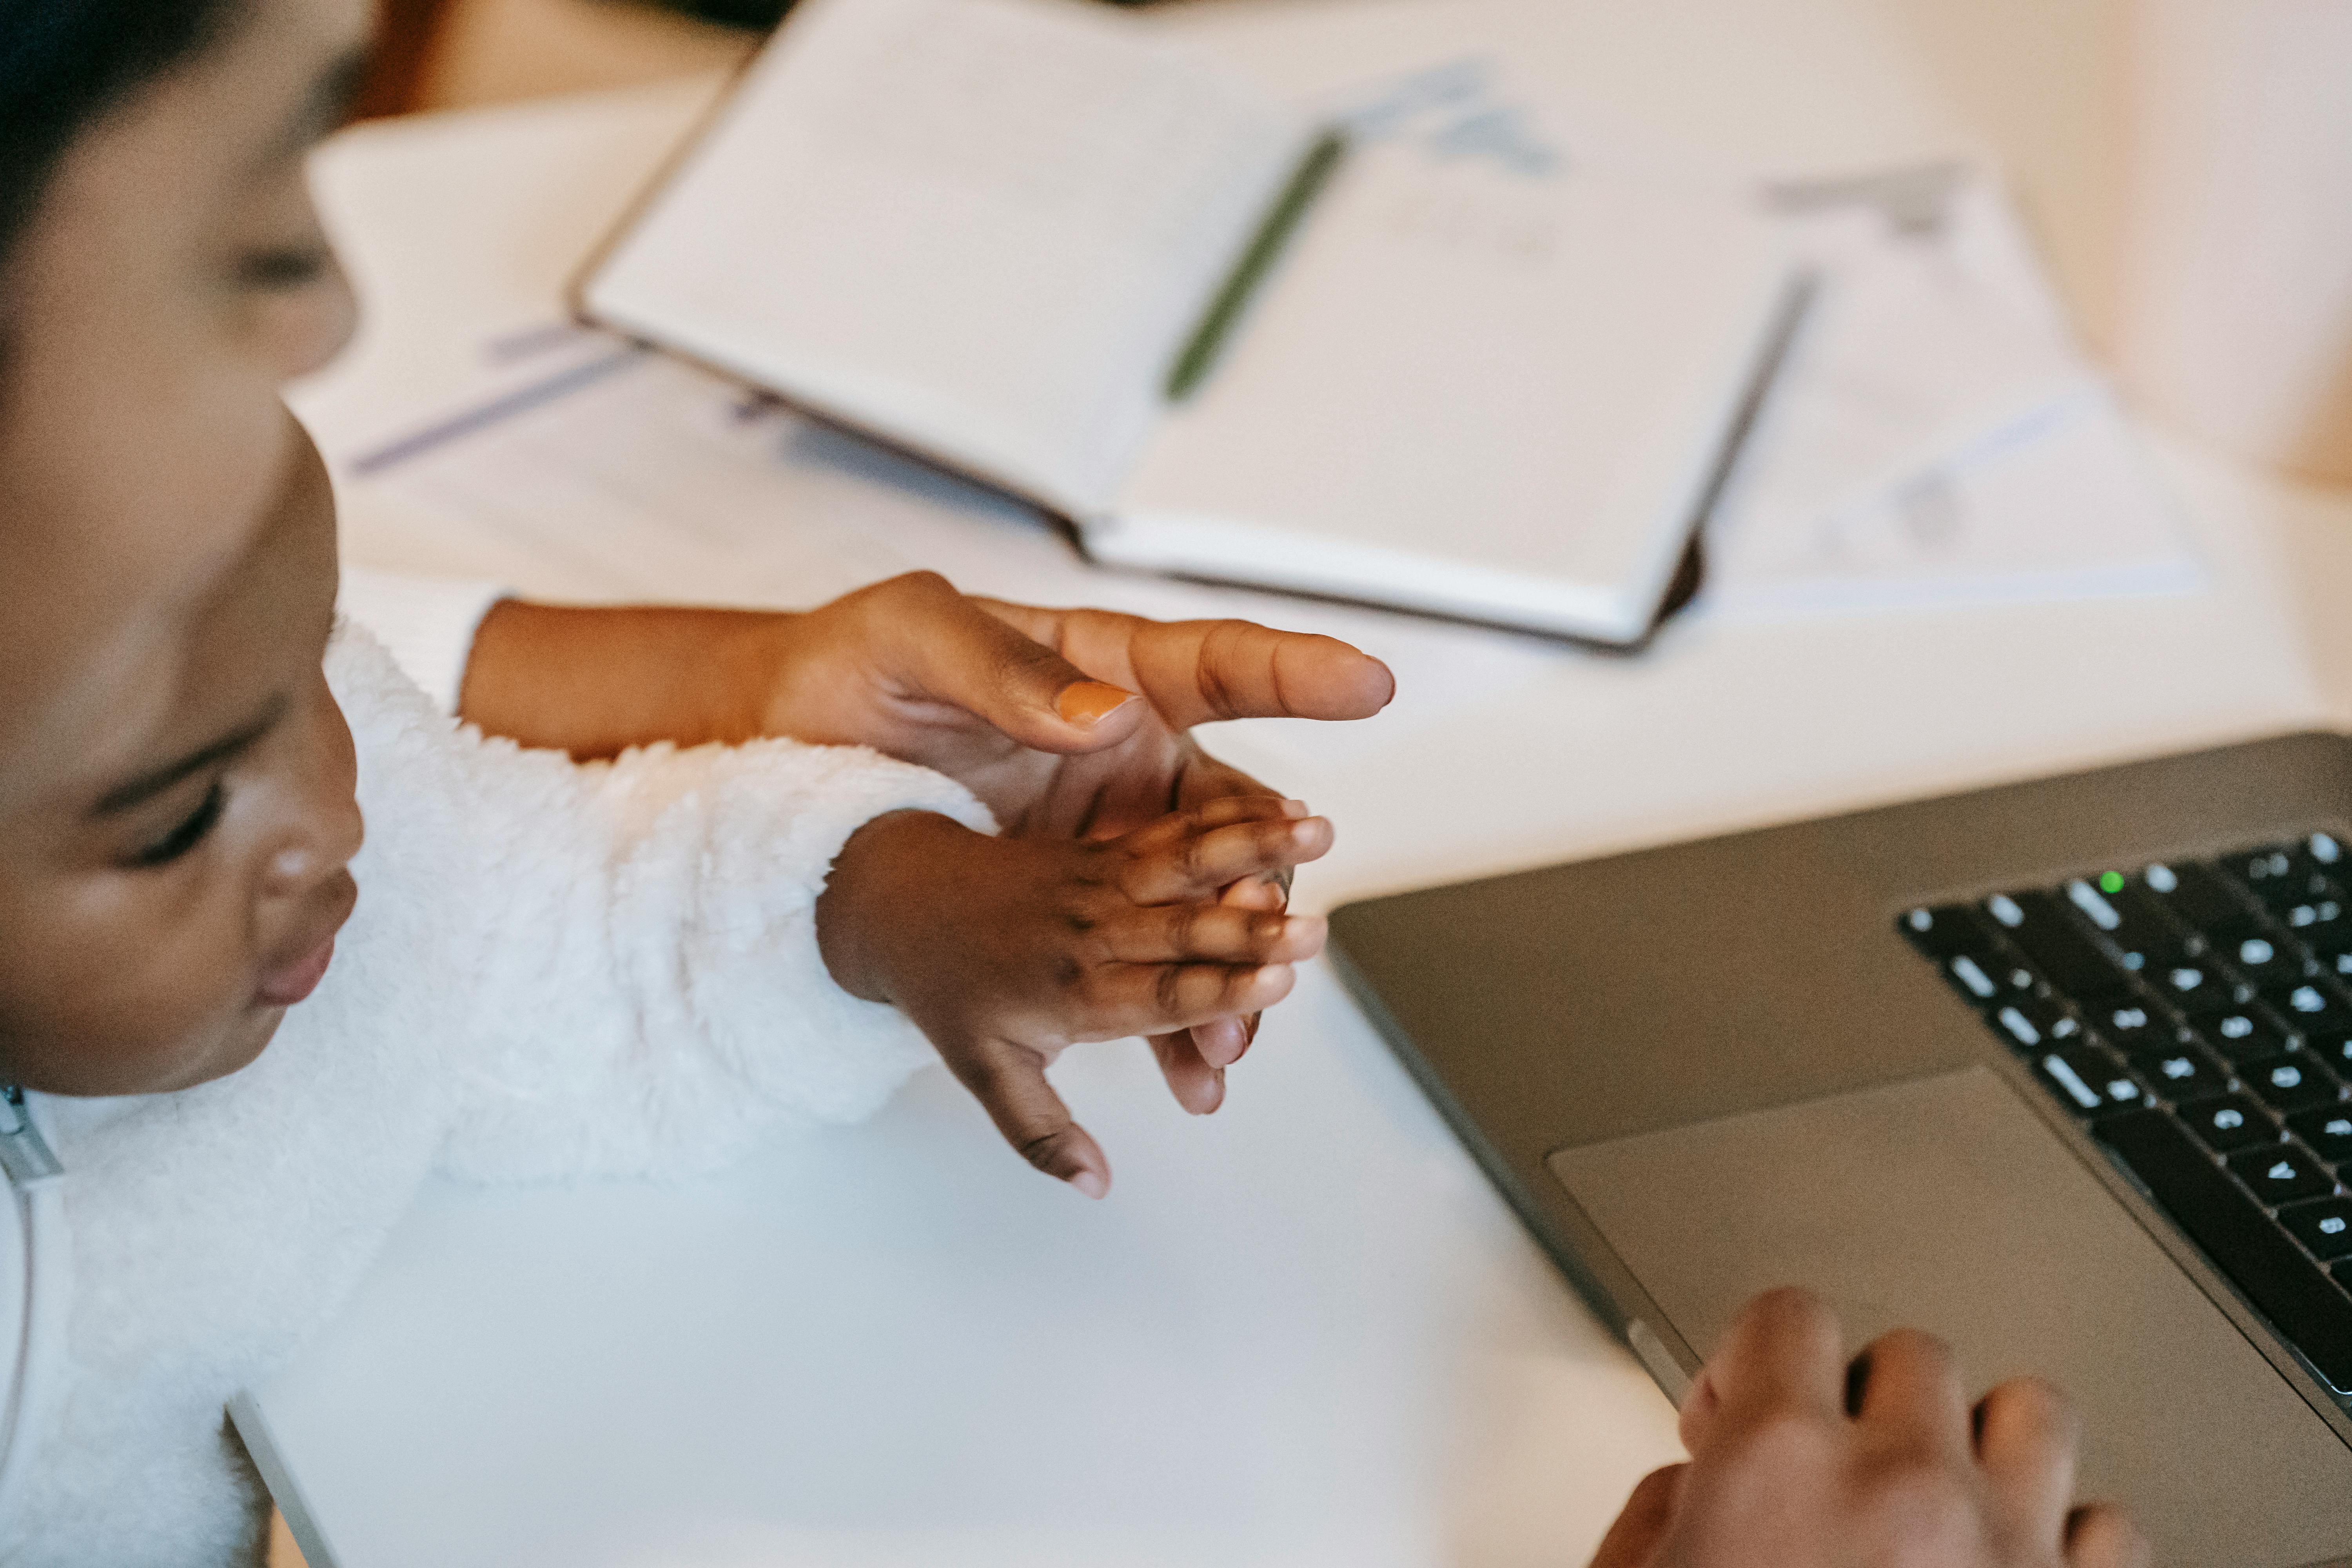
(1009, 1081)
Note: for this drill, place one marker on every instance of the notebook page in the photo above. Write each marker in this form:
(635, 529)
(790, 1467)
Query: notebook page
(1482, 385)
(976, 227)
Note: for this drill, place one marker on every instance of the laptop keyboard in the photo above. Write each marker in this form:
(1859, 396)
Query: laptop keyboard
(2197, 1017)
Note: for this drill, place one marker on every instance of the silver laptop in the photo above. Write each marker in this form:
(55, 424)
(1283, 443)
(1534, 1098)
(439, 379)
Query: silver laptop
(2057, 1071)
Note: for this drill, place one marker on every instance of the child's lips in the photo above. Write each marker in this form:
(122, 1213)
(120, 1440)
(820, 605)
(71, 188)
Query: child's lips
(291, 983)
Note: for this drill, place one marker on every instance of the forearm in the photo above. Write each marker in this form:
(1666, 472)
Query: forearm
(595, 681)
(643, 947)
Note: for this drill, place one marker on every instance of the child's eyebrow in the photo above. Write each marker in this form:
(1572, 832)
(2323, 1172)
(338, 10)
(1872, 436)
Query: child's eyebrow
(149, 785)
(326, 106)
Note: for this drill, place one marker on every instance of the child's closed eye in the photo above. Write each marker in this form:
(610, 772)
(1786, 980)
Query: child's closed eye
(279, 267)
(189, 832)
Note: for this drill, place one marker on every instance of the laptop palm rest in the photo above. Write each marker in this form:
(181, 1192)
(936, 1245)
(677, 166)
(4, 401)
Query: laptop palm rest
(1944, 1202)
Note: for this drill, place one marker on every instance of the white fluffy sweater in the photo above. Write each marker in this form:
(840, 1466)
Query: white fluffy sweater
(554, 968)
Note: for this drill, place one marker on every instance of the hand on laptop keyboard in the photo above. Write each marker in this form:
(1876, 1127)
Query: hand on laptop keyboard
(1801, 1459)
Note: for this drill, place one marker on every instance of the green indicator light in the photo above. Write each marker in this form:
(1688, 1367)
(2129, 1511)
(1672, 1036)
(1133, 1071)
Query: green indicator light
(2111, 881)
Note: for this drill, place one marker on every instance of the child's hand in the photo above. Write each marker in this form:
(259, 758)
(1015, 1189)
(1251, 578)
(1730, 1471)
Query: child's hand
(1004, 951)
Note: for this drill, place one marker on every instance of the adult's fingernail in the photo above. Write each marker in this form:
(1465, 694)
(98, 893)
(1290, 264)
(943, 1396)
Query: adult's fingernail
(1088, 703)
(1294, 808)
(1089, 1182)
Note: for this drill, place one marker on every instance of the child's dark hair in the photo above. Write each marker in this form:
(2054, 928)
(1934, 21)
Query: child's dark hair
(64, 64)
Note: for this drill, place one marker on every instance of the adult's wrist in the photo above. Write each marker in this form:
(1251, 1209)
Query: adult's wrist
(596, 681)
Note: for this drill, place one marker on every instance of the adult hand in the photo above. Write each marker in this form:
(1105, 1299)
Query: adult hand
(1068, 723)
(1801, 1459)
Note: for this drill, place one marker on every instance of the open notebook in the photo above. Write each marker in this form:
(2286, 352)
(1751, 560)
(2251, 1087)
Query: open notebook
(1031, 241)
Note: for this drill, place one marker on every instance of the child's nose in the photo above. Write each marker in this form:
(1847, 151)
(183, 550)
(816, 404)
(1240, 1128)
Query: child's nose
(323, 849)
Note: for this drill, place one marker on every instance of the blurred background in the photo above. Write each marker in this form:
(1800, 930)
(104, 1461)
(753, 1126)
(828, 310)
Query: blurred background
(2223, 299)
(450, 54)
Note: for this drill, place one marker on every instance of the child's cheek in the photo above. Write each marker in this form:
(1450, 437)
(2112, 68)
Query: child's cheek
(130, 1006)
(300, 331)
(199, 1027)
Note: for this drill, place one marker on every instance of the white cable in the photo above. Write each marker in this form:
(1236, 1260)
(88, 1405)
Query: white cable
(40, 1348)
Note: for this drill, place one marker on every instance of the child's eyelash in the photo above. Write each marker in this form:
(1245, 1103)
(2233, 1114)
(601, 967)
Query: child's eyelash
(289, 266)
(188, 834)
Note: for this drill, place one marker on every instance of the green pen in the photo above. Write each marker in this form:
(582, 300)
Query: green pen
(1200, 352)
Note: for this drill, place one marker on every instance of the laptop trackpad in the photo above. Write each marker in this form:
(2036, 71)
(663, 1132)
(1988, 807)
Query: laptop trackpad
(1943, 1203)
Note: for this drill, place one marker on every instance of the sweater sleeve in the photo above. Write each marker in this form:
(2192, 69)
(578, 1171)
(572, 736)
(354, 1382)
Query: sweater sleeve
(627, 950)
(426, 623)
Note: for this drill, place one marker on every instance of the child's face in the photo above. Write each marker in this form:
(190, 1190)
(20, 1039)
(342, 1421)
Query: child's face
(176, 806)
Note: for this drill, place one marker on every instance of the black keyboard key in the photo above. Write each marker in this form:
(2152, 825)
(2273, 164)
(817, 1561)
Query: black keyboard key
(2145, 936)
(2043, 929)
(2261, 956)
(2325, 853)
(2310, 1007)
(1984, 979)
(1941, 932)
(2199, 987)
(2319, 918)
(2029, 1023)
(2242, 1033)
(2343, 1273)
(2327, 1129)
(2323, 927)
(2332, 947)
(2282, 1282)
(1970, 959)
(2136, 1025)
(2293, 1082)
(2181, 1072)
(2229, 1121)
(2277, 874)
(2259, 867)
(2284, 1175)
(2089, 1081)
(2093, 901)
(2296, 876)
(2323, 1226)
(2196, 895)
(2336, 1051)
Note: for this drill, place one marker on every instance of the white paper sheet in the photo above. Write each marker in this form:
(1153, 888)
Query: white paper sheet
(1938, 437)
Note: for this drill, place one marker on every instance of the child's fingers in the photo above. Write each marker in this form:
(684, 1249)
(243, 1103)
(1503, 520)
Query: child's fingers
(1194, 1060)
(1198, 1086)
(1222, 1042)
(1166, 933)
(1161, 998)
(1200, 864)
(1267, 890)
(1169, 831)
(1009, 1081)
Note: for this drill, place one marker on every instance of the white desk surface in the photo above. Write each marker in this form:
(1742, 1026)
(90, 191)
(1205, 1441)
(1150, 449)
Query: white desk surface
(1304, 1331)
